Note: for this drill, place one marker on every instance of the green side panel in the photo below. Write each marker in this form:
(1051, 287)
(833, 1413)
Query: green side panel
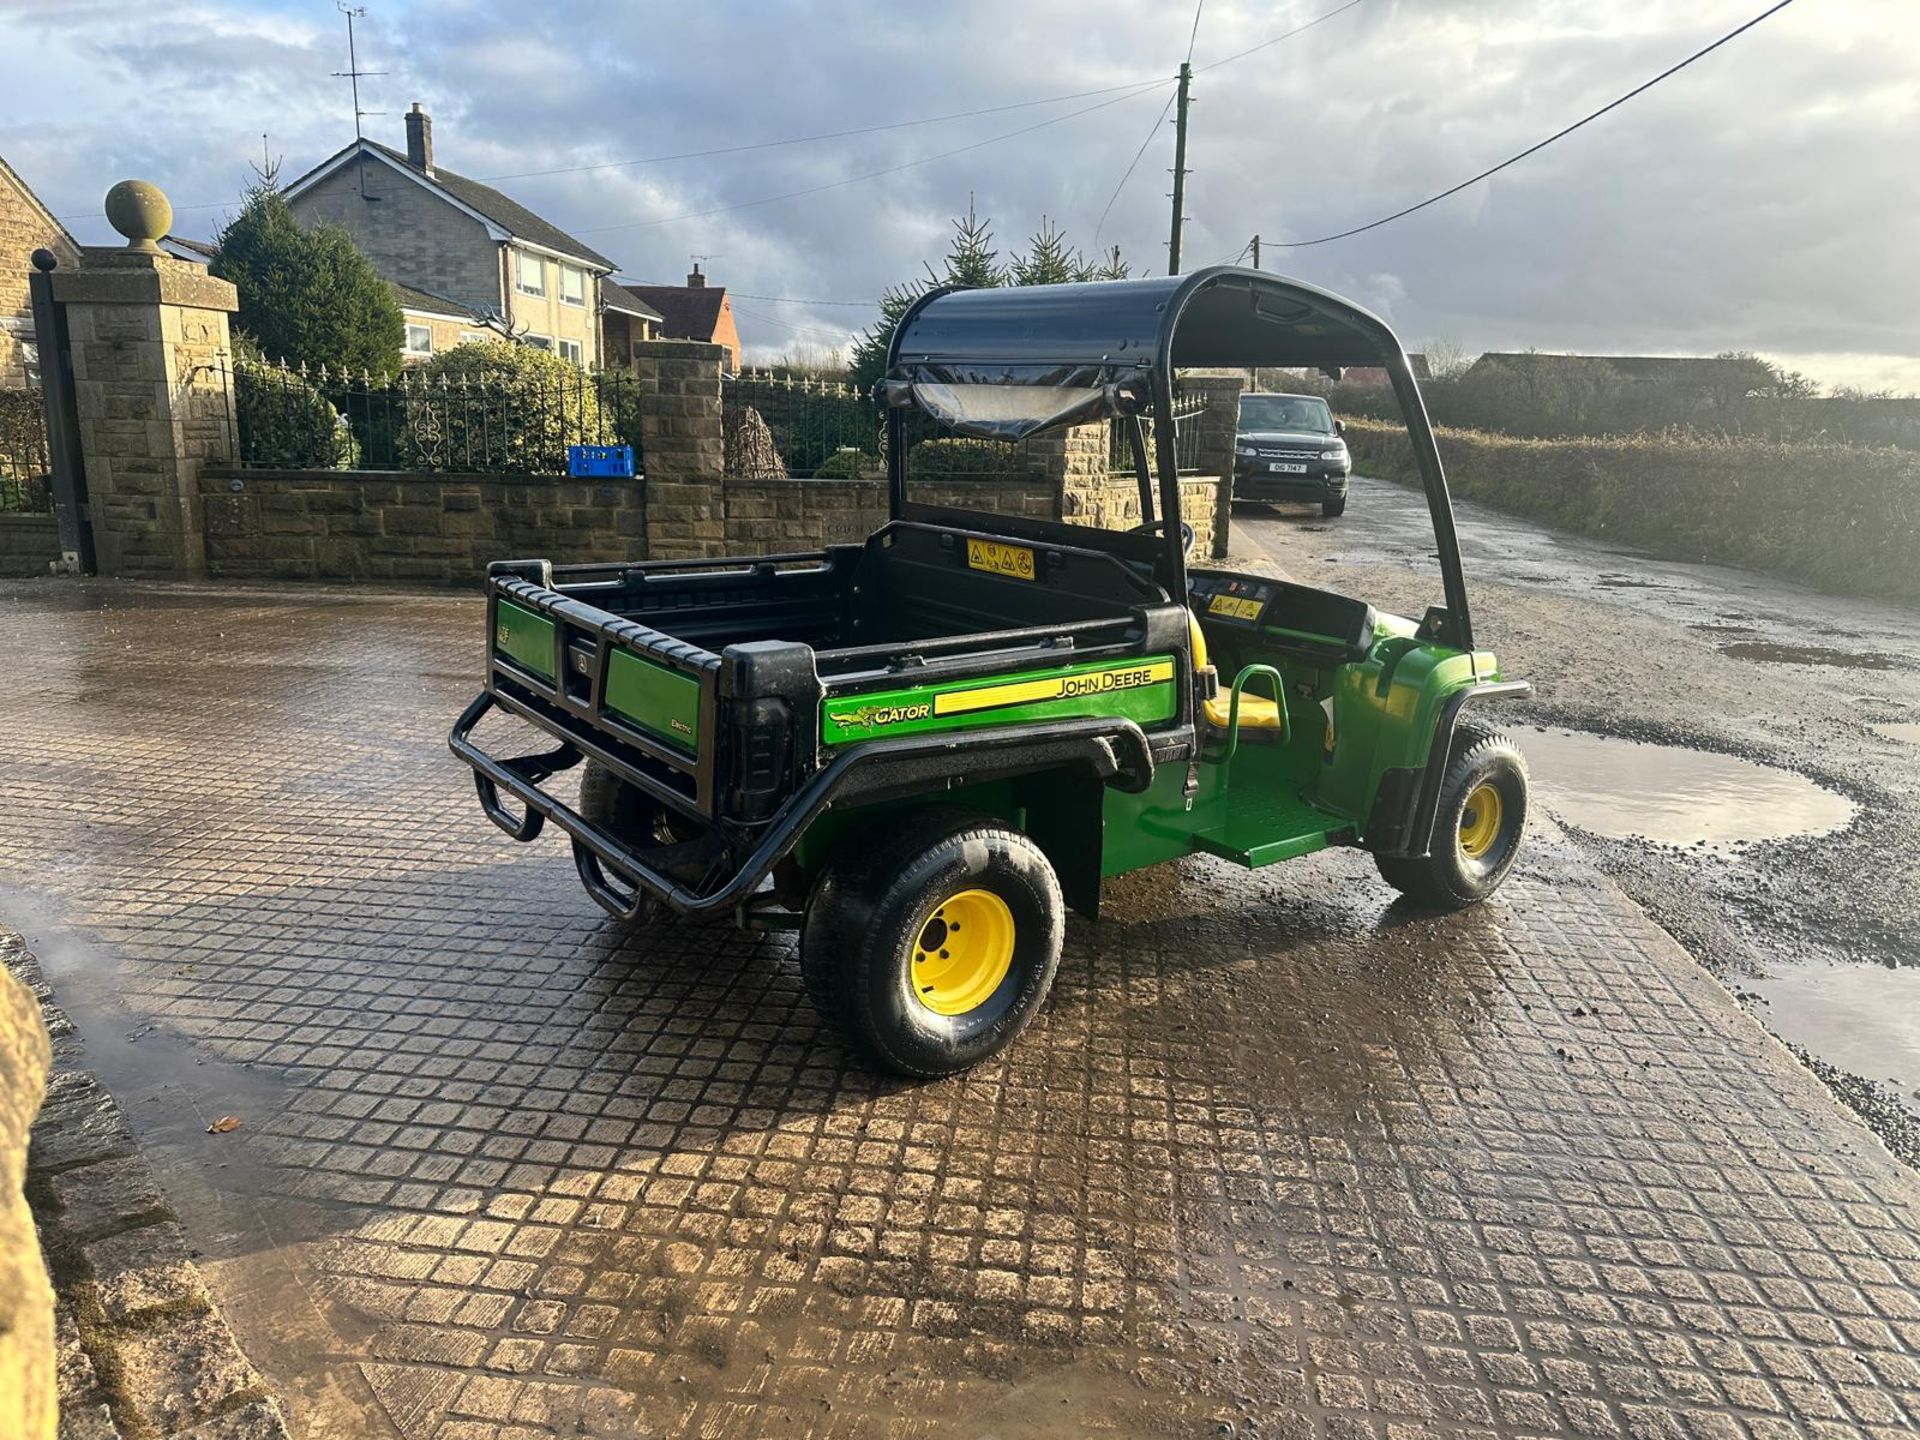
(655, 698)
(1138, 690)
(525, 637)
(1385, 710)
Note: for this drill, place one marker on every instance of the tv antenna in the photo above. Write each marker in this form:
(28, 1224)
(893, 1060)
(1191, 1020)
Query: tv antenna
(353, 73)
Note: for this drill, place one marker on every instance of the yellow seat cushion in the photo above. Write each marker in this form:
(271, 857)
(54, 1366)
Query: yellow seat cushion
(1257, 712)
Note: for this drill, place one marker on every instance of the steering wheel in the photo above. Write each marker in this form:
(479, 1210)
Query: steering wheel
(1154, 527)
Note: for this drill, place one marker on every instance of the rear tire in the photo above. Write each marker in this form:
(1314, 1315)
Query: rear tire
(1477, 830)
(615, 806)
(931, 942)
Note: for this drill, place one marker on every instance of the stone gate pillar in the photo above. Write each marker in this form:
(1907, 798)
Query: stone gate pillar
(1218, 423)
(150, 354)
(683, 444)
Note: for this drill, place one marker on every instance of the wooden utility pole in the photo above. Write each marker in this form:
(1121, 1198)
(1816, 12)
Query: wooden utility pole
(1179, 168)
(1256, 252)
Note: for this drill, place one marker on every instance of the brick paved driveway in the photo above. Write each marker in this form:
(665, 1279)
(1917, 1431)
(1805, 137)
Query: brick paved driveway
(1279, 1160)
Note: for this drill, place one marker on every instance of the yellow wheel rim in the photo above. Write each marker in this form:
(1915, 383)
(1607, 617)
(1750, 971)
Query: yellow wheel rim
(963, 952)
(1480, 822)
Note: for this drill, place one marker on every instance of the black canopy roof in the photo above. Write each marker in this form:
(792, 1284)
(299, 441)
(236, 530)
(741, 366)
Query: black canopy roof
(1109, 331)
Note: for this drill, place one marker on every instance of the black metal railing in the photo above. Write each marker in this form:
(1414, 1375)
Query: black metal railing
(798, 427)
(1187, 422)
(505, 421)
(24, 461)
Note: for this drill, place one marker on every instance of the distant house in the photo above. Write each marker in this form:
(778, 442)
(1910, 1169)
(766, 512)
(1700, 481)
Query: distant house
(693, 311)
(1705, 375)
(624, 320)
(26, 225)
(462, 256)
(1374, 377)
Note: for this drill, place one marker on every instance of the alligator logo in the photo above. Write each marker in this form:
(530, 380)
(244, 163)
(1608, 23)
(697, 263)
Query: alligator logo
(874, 717)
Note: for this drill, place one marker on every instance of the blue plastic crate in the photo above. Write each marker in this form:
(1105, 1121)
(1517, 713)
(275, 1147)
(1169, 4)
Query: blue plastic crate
(614, 460)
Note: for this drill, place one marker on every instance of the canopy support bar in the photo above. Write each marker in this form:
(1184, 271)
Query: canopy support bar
(1142, 472)
(1426, 453)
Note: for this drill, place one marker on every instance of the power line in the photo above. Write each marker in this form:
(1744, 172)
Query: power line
(1297, 30)
(1194, 34)
(1536, 149)
(1158, 121)
(823, 135)
(872, 174)
(1132, 87)
(1161, 118)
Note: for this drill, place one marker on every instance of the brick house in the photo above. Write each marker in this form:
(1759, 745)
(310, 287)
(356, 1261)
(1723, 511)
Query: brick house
(693, 311)
(462, 256)
(26, 225)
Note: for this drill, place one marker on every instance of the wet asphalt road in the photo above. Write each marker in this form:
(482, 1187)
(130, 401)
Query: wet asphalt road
(1821, 935)
(1280, 1158)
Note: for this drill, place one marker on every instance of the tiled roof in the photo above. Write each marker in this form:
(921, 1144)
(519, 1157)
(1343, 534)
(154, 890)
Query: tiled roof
(687, 312)
(409, 298)
(509, 215)
(618, 297)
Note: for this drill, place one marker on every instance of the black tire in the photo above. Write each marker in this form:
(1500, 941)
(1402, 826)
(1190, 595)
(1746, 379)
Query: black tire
(609, 802)
(1331, 508)
(1471, 854)
(881, 900)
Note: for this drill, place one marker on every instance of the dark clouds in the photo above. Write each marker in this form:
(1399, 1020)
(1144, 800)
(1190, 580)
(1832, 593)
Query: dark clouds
(1765, 199)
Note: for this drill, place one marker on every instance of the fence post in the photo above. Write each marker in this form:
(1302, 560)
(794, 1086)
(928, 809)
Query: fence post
(684, 446)
(149, 335)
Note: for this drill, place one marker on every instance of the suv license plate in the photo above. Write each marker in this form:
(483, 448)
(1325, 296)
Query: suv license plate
(1288, 467)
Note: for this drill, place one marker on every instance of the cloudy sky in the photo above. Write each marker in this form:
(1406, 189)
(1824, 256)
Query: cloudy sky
(1767, 198)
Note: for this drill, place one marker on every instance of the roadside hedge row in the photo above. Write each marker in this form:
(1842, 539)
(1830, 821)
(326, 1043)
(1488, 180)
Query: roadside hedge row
(1841, 518)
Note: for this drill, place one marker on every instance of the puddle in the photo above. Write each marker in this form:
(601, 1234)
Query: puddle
(1772, 654)
(1622, 582)
(1907, 730)
(1629, 790)
(1724, 629)
(1863, 1018)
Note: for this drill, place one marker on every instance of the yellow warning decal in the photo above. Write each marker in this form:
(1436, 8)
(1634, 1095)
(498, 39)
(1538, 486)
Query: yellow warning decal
(1061, 687)
(1235, 607)
(998, 558)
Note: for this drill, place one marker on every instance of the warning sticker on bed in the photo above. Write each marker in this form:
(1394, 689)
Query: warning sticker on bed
(999, 558)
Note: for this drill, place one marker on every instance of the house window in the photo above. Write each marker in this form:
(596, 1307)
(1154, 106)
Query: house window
(573, 285)
(419, 339)
(529, 273)
(539, 342)
(474, 337)
(570, 350)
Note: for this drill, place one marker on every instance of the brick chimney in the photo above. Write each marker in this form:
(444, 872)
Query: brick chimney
(696, 281)
(420, 139)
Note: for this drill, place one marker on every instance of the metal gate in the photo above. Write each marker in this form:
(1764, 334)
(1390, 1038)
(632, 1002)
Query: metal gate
(65, 463)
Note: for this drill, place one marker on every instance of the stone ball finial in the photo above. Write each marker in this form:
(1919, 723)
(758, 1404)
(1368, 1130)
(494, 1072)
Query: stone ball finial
(44, 259)
(141, 212)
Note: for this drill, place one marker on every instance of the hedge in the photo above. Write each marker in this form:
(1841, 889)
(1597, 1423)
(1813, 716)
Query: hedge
(1841, 518)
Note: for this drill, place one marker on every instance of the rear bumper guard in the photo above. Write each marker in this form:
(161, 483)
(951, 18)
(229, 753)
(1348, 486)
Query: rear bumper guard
(622, 881)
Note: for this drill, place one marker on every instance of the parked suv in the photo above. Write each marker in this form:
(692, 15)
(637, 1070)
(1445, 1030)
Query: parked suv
(1289, 447)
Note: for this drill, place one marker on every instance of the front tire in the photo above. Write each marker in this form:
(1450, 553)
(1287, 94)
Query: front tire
(1333, 507)
(932, 941)
(1477, 829)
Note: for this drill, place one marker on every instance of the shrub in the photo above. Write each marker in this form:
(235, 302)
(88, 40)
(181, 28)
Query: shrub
(307, 295)
(498, 408)
(848, 464)
(1843, 518)
(286, 423)
(961, 458)
(23, 451)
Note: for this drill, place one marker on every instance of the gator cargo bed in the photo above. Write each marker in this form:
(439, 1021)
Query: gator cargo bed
(707, 676)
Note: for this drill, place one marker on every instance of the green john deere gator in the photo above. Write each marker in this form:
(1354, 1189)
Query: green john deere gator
(921, 750)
